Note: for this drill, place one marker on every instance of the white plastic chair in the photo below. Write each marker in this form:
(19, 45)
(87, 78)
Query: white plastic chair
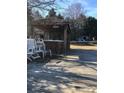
(41, 48)
(31, 47)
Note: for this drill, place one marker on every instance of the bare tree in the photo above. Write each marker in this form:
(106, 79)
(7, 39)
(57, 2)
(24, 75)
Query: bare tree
(33, 7)
(41, 4)
(36, 5)
(74, 11)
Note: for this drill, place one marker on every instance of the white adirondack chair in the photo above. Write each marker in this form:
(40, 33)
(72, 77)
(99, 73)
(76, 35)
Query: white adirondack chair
(41, 48)
(31, 47)
(34, 47)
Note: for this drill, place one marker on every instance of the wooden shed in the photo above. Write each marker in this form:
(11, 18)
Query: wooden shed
(56, 35)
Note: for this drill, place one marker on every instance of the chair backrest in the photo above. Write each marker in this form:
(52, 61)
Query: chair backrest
(35, 46)
(40, 46)
(31, 45)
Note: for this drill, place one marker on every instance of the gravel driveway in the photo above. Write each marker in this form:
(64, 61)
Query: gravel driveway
(74, 73)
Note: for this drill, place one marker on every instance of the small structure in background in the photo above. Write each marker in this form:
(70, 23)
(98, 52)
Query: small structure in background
(56, 34)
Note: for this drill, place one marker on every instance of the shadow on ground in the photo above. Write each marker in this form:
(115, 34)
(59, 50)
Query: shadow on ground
(54, 78)
(45, 79)
(84, 57)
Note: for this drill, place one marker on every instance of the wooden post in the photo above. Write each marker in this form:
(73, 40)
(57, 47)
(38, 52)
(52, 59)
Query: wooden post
(65, 40)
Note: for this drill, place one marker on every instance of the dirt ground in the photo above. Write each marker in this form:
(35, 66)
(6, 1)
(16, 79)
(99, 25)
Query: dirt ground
(74, 73)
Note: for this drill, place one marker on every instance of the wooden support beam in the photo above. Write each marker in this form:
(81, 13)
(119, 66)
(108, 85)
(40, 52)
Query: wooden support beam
(65, 40)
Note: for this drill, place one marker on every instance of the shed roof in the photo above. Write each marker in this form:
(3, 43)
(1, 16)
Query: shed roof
(47, 25)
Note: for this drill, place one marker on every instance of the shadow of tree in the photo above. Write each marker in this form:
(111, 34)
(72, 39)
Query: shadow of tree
(42, 78)
(87, 58)
(84, 55)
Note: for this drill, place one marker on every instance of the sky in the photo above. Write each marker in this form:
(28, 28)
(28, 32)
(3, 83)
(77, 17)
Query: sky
(89, 5)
